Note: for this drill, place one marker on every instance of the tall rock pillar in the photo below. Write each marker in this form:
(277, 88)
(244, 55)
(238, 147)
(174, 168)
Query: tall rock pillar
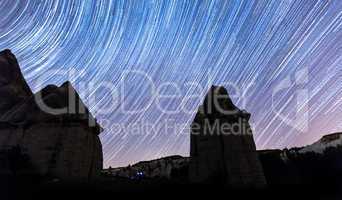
(222, 145)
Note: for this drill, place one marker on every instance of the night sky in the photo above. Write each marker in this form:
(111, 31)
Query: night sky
(281, 60)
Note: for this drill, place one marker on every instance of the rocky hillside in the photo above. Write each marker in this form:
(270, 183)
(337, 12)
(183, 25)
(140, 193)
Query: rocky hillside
(318, 163)
(314, 164)
(321, 146)
(175, 167)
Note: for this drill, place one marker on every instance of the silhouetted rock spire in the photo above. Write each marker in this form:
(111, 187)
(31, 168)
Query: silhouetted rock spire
(222, 146)
(53, 127)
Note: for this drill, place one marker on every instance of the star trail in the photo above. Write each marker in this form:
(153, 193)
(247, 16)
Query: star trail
(279, 60)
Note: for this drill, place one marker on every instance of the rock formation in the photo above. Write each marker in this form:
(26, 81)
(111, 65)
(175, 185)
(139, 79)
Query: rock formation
(222, 146)
(52, 127)
(13, 87)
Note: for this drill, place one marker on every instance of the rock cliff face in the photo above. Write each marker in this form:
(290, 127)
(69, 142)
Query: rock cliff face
(52, 127)
(13, 87)
(222, 146)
